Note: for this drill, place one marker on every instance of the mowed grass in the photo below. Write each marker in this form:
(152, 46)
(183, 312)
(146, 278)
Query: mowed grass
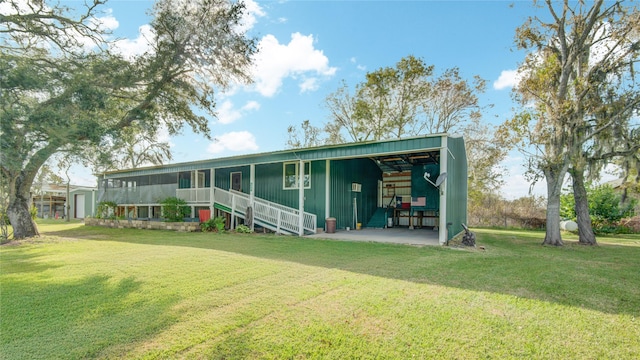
(88, 292)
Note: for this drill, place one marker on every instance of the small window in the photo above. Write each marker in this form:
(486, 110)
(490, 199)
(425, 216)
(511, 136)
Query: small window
(291, 175)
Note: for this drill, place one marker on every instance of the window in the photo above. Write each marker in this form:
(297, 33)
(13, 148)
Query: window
(291, 175)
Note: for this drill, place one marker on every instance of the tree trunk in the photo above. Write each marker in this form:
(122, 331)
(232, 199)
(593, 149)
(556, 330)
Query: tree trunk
(586, 236)
(18, 210)
(554, 176)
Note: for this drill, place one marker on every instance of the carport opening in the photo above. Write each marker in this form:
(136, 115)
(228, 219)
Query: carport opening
(408, 196)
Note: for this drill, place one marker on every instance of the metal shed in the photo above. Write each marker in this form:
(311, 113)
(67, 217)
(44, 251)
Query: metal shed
(349, 182)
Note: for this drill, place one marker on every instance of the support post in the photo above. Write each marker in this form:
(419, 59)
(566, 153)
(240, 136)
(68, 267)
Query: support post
(252, 182)
(212, 191)
(327, 190)
(279, 221)
(233, 212)
(301, 198)
(442, 212)
(67, 204)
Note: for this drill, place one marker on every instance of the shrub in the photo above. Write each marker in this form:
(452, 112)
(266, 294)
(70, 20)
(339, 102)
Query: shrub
(106, 210)
(605, 208)
(33, 211)
(174, 209)
(214, 224)
(244, 229)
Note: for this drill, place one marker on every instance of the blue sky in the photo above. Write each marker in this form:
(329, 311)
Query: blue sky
(309, 47)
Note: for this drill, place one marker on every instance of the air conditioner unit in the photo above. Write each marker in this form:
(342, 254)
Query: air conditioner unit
(355, 187)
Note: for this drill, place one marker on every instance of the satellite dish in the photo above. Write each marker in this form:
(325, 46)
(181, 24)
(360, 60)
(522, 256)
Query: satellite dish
(441, 178)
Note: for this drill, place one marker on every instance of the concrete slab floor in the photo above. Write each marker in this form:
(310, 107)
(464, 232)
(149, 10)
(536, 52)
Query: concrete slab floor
(395, 235)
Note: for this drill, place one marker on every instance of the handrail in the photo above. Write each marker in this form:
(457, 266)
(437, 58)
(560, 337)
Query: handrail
(276, 215)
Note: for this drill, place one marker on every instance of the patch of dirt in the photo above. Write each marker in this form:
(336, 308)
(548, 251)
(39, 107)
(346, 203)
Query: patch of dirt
(42, 239)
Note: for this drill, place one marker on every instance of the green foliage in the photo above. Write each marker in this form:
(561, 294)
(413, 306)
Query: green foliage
(571, 89)
(243, 229)
(605, 208)
(34, 212)
(567, 206)
(106, 210)
(213, 224)
(400, 101)
(174, 209)
(59, 98)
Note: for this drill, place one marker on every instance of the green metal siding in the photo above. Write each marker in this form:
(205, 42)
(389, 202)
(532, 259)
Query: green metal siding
(456, 185)
(88, 202)
(223, 177)
(269, 186)
(421, 187)
(345, 172)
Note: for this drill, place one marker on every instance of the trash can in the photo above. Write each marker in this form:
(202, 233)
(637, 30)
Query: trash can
(204, 215)
(330, 225)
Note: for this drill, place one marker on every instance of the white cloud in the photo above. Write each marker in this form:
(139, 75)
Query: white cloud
(517, 186)
(228, 114)
(252, 12)
(138, 46)
(310, 84)
(251, 106)
(107, 22)
(236, 141)
(164, 136)
(358, 66)
(275, 62)
(507, 79)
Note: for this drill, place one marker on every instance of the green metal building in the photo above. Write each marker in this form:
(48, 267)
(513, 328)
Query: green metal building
(351, 183)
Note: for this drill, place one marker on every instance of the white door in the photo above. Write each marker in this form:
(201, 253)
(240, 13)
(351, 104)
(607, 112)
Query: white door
(79, 207)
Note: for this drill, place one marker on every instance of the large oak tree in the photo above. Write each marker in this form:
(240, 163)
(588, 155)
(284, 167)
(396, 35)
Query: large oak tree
(56, 97)
(579, 93)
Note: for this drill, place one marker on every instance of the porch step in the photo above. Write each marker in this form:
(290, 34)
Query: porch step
(378, 219)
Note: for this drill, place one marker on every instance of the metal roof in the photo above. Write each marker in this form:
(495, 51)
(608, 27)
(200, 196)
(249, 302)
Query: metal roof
(390, 155)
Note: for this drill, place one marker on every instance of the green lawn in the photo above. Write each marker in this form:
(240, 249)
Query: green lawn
(86, 292)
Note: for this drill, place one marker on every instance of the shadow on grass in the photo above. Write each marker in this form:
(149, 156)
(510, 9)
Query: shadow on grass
(602, 278)
(87, 315)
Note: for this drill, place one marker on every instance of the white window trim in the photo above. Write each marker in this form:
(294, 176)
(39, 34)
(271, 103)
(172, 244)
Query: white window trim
(297, 176)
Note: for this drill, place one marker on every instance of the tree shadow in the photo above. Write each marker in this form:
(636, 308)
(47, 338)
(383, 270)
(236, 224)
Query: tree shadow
(77, 319)
(599, 278)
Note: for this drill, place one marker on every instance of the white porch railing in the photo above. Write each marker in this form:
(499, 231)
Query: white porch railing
(266, 213)
(200, 195)
(281, 218)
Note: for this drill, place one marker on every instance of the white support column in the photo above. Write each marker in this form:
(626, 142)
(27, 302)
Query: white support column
(212, 193)
(442, 214)
(301, 198)
(327, 189)
(93, 203)
(233, 212)
(197, 185)
(252, 189)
